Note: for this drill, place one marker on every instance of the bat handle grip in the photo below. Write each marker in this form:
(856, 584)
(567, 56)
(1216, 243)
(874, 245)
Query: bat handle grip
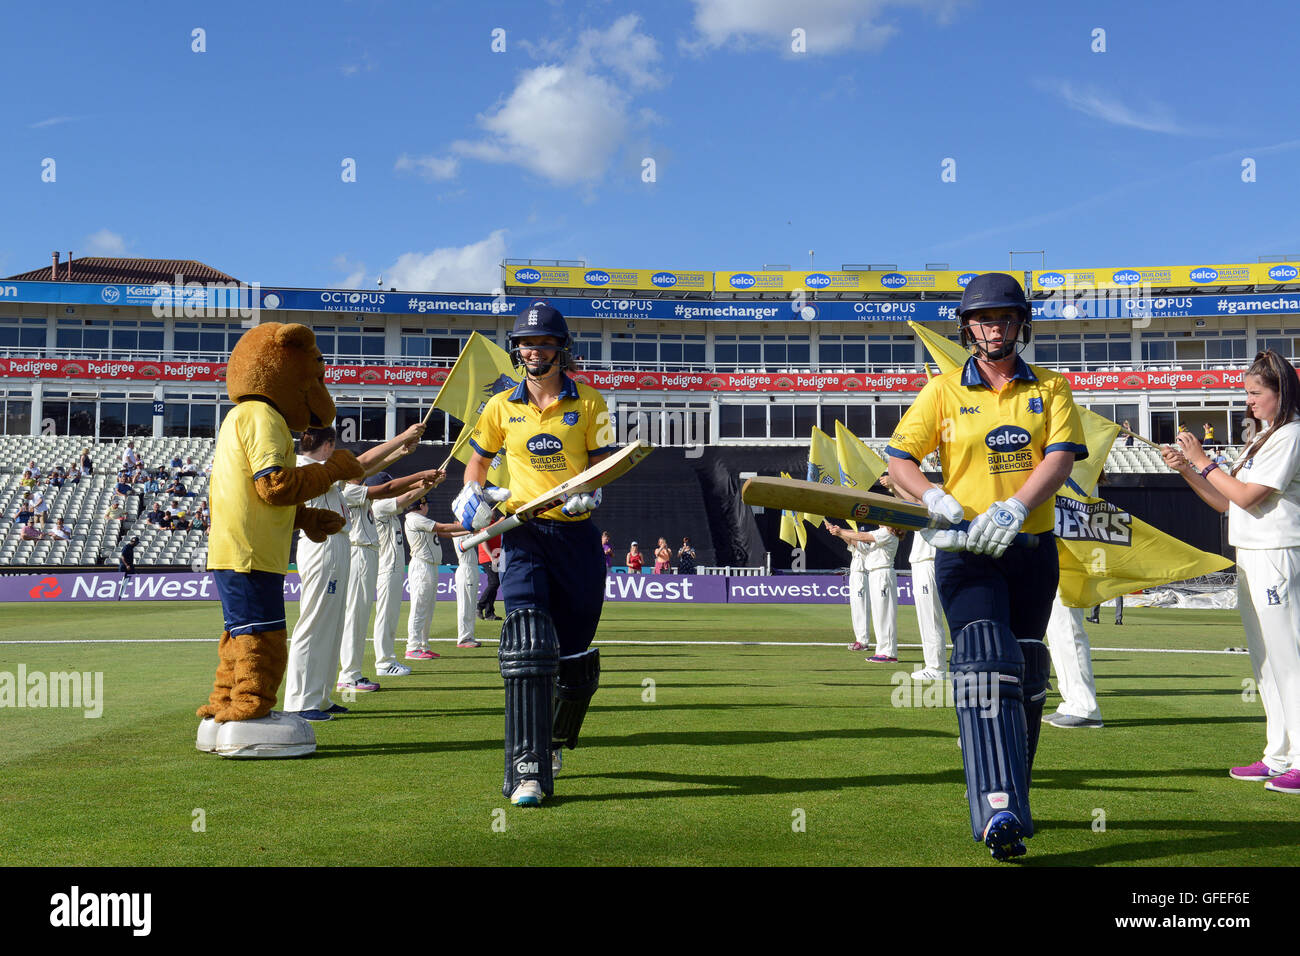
(465, 542)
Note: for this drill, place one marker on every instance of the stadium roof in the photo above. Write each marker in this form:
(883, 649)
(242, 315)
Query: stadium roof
(126, 271)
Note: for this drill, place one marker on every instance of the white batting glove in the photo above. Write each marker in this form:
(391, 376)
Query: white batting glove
(992, 532)
(473, 506)
(580, 504)
(944, 540)
(943, 505)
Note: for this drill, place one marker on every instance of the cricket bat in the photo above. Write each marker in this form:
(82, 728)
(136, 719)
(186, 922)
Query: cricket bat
(835, 501)
(597, 476)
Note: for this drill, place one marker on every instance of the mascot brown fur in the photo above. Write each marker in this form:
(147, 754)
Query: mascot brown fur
(256, 505)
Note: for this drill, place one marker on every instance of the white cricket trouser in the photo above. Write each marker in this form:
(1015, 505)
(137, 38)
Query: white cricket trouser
(424, 594)
(466, 594)
(883, 584)
(858, 602)
(929, 614)
(322, 604)
(1270, 612)
(1067, 642)
(361, 595)
(388, 607)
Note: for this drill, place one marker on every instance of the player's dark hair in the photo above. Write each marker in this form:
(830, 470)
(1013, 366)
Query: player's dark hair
(1277, 375)
(314, 438)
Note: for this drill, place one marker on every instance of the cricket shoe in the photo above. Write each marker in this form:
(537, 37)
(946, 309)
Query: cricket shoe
(1069, 721)
(313, 715)
(468, 642)
(1288, 782)
(881, 659)
(358, 686)
(421, 654)
(1256, 772)
(394, 670)
(527, 794)
(1004, 836)
(336, 709)
(857, 646)
(928, 673)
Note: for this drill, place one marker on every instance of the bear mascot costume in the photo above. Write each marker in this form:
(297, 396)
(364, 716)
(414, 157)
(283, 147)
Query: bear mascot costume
(276, 378)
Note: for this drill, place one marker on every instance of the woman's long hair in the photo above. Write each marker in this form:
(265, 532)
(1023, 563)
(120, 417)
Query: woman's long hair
(1277, 375)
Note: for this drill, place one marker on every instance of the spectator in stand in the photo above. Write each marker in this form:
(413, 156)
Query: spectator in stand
(24, 510)
(1128, 438)
(177, 488)
(123, 486)
(116, 511)
(140, 476)
(608, 549)
(181, 521)
(157, 517)
(30, 532)
(1222, 460)
(176, 464)
(153, 484)
(201, 520)
(57, 478)
(59, 532)
(189, 469)
(27, 481)
(40, 507)
(35, 470)
(86, 466)
(635, 559)
(663, 557)
(129, 458)
(1208, 441)
(686, 558)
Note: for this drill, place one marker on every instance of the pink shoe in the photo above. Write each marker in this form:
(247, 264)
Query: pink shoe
(878, 659)
(1288, 782)
(857, 646)
(359, 686)
(420, 654)
(1256, 772)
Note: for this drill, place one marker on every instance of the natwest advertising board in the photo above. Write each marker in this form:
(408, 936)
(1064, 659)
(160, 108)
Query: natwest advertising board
(766, 382)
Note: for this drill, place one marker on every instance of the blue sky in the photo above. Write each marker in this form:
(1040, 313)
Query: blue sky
(233, 156)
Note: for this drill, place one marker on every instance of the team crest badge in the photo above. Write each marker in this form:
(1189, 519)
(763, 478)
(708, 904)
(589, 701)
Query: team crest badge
(1036, 406)
(1271, 594)
(570, 418)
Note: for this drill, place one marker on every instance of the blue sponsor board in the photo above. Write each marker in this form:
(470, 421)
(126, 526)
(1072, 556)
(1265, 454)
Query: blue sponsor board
(1114, 305)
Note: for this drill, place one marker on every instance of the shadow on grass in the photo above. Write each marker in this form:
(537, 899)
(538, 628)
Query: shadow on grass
(1221, 835)
(1183, 721)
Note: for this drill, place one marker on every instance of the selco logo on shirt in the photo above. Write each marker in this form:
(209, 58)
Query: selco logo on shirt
(545, 445)
(1007, 438)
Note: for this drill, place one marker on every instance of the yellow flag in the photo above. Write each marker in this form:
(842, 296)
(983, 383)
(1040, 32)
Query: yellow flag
(483, 369)
(947, 354)
(823, 467)
(1105, 551)
(793, 532)
(860, 467)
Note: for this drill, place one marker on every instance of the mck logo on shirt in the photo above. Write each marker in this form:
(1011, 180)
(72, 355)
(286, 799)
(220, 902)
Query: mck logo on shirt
(969, 410)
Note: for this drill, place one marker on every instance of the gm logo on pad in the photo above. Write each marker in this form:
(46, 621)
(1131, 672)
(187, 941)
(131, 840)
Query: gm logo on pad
(545, 445)
(1007, 438)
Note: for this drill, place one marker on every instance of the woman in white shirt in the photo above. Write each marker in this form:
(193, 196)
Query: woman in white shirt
(1261, 496)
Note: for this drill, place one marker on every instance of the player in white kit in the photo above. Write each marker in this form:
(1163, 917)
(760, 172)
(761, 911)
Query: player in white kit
(422, 533)
(1262, 498)
(873, 583)
(929, 612)
(363, 575)
(467, 579)
(1071, 652)
(392, 571)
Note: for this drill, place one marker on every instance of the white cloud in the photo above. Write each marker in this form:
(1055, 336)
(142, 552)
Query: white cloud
(472, 268)
(356, 273)
(429, 167)
(830, 26)
(1090, 102)
(53, 121)
(566, 121)
(104, 243)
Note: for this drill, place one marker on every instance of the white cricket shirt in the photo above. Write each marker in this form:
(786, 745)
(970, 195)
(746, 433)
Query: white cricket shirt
(1274, 522)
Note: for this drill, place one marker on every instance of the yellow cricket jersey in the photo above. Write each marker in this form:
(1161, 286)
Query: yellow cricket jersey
(990, 441)
(247, 534)
(544, 448)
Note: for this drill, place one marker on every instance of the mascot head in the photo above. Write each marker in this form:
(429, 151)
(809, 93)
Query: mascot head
(281, 364)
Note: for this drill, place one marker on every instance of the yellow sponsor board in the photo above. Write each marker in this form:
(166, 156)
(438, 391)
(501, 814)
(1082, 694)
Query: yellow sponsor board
(814, 281)
(663, 280)
(1206, 276)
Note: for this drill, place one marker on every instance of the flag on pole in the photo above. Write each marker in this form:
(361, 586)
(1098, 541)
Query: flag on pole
(1104, 551)
(823, 467)
(793, 532)
(483, 369)
(859, 466)
(947, 354)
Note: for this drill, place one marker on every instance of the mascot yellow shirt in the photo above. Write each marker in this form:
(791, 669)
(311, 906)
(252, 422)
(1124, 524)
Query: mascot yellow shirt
(254, 441)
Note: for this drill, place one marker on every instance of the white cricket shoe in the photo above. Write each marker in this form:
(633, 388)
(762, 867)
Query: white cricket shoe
(394, 670)
(527, 794)
(927, 673)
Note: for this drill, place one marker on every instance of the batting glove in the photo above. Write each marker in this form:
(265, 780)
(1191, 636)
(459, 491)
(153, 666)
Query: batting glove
(943, 505)
(473, 506)
(581, 504)
(992, 532)
(944, 540)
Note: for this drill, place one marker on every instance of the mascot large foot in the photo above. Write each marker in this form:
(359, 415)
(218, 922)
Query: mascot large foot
(260, 662)
(225, 679)
(275, 735)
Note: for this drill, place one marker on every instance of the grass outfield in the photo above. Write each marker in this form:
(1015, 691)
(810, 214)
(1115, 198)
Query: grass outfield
(739, 744)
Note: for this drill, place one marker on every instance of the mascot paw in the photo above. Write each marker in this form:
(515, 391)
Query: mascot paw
(319, 523)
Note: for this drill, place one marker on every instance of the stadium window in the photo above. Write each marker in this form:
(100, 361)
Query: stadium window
(729, 421)
(750, 351)
(112, 419)
(782, 421)
(203, 420)
(670, 352)
(695, 350)
(176, 417)
(858, 420)
(372, 423)
(17, 416)
(754, 421)
(887, 419)
(645, 350)
(799, 353)
(805, 417)
(139, 418)
(1157, 350)
(830, 415)
(621, 350)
